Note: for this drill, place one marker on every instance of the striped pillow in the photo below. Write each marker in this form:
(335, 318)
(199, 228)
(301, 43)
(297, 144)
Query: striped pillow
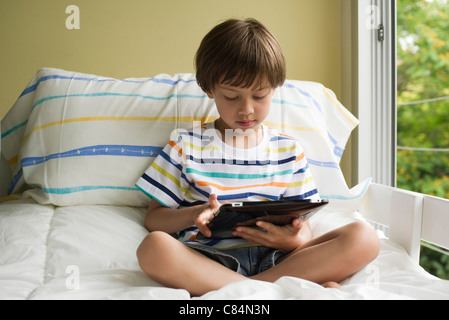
(74, 138)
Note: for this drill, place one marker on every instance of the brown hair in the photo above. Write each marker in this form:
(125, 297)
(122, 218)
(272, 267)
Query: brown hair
(239, 53)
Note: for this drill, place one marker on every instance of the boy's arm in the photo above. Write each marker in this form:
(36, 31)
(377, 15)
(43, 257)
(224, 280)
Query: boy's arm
(169, 220)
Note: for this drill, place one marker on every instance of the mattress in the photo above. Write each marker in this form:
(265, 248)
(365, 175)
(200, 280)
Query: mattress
(89, 252)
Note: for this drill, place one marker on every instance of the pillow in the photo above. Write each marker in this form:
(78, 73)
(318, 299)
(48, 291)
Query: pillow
(74, 138)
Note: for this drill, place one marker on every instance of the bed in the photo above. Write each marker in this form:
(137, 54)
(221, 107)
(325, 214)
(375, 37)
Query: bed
(71, 218)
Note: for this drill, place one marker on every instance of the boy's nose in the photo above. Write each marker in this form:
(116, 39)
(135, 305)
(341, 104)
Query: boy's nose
(246, 107)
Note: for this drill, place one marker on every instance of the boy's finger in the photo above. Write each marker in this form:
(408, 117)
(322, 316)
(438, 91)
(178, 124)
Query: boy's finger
(298, 223)
(266, 225)
(213, 201)
(206, 232)
(204, 217)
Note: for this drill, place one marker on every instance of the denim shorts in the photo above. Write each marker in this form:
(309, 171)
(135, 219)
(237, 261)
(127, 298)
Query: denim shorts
(247, 261)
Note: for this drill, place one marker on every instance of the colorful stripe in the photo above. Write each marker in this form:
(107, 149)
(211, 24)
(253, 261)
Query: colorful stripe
(8, 132)
(301, 183)
(69, 190)
(247, 195)
(241, 176)
(159, 186)
(340, 108)
(295, 128)
(86, 119)
(98, 150)
(305, 195)
(114, 94)
(169, 176)
(280, 150)
(13, 160)
(356, 196)
(304, 93)
(200, 148)
(324, 164)
(223, 188)
(15, 180)
(285, 102)
(56, 76)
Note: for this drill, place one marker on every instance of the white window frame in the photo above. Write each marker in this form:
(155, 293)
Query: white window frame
(377, 90)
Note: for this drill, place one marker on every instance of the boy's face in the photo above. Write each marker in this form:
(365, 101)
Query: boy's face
(242, 108)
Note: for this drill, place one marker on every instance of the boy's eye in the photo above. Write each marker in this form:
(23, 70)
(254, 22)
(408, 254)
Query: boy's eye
(230, 98)
(259, 98)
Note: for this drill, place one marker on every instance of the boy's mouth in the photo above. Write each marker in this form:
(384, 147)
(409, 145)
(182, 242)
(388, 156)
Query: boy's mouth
(245, 124)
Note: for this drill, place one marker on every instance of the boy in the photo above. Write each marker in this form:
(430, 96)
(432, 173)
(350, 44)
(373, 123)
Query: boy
(239, 64)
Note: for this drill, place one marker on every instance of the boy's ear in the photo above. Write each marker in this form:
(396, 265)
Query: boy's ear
(210, 95)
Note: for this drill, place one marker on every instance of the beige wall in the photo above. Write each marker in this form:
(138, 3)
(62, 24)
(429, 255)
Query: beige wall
(141, 38)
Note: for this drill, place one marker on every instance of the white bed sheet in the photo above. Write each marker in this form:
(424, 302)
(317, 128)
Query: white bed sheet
(88, 252)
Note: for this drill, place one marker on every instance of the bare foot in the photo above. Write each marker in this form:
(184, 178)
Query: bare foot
(331, 284)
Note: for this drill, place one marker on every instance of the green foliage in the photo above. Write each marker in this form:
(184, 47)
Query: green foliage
(423, 47)
(434, 262)
(425, 172)
(423, 73)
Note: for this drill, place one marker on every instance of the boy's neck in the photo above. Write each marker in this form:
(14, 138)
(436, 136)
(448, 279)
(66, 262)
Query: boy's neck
(239, 139)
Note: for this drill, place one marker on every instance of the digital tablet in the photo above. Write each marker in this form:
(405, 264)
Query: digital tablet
(246, 214)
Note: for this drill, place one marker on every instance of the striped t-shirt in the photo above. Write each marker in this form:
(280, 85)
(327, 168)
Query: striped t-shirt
(197, 163)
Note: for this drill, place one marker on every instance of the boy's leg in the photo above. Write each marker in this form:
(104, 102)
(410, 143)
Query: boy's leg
(331, 257)
(171, 263)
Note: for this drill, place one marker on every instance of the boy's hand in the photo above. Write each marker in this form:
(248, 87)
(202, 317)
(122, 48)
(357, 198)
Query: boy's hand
(205, 214)
(285, 238)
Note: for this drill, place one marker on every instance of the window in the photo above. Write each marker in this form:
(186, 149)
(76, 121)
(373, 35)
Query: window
(423, 96)
(423, 107)
(404, 126)
(403, 79)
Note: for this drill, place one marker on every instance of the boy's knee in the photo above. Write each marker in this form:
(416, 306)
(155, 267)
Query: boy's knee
(153, 249)
(365, 239)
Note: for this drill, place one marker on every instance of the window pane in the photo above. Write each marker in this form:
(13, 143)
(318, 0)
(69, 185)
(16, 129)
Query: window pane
(423, 107)
(423, 96)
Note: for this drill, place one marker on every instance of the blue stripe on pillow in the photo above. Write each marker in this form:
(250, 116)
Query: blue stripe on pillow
(117, 94)
(69, 190)
(56, 76)
(99, 150)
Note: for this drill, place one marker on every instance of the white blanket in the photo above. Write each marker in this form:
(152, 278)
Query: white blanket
(88, 252)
